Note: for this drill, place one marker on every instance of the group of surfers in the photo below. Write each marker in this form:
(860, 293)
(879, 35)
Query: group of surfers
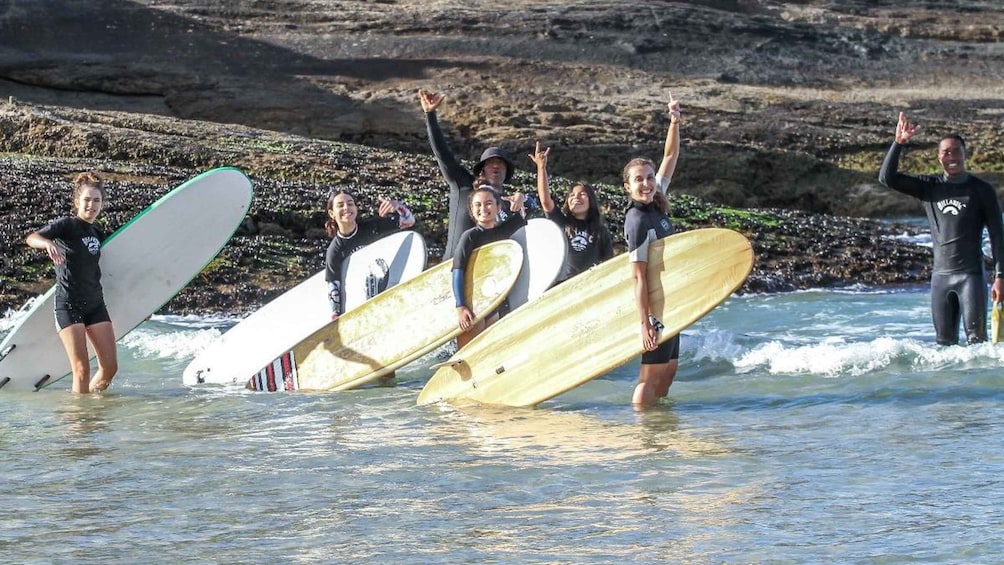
(482, 209)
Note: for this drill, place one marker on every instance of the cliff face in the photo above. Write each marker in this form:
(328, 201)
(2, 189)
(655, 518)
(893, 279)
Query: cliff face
(788, 108)
(787, 104)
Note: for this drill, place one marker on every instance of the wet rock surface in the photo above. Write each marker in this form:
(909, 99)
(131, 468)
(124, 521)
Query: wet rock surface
(788, 110)
(282, 240)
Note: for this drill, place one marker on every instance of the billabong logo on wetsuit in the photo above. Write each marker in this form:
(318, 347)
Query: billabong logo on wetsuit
(951, 206)
(92, 243)
(665, 224)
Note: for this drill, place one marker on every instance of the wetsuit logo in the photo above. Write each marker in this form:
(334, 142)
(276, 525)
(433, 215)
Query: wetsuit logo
(92, 243)
(951, 206)
(580, 240)
(665, 224)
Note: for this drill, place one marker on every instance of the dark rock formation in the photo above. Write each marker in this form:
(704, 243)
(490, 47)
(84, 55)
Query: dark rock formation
(788, 110)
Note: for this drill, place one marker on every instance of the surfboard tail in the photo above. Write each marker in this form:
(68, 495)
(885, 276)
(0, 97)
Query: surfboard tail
(279, 375)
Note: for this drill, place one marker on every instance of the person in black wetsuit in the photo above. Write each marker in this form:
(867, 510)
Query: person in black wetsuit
(587, 238)
(74, 245)
(958, 206)
(484, 205)
(494, 168)
(348, 235)
(647, 220)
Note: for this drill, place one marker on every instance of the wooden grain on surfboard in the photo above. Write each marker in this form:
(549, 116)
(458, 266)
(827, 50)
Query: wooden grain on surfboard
(297, 313)
(589, 325)
(403, 323)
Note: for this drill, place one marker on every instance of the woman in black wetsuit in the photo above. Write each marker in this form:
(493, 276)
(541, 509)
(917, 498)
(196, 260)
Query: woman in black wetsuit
(587, 238)
(74, 245)
(349, 234)
(484, 206)
(646, 221)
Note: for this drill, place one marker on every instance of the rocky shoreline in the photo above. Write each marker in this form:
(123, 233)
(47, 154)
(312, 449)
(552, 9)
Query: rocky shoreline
(789, 108)
(282, 240)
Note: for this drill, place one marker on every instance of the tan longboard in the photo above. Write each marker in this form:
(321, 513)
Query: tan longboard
(393, 328)
(589, 325)
(996, 313)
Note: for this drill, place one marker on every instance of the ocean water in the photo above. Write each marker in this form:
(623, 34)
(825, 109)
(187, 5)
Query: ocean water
(818, 426)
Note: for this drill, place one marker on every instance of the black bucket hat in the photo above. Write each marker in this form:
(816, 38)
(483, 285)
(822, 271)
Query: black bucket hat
(495, 152)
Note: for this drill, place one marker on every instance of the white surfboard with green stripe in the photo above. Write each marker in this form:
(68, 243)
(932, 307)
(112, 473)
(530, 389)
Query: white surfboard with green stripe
(144, 264)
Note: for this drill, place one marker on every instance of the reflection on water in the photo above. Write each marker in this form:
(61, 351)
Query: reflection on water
(84, 422)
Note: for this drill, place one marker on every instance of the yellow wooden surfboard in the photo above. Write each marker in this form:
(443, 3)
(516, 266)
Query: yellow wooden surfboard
(393, 328)
(996, 313)
(588, 325)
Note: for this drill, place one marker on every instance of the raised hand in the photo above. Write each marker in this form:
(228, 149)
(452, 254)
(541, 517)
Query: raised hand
(539, 157)
(905, 130)
(674, 106)
(430, 100)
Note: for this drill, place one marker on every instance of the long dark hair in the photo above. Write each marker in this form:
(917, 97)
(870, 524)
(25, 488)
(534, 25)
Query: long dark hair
(84, 180)
(594, 219)
(660, 198)
(330, 226)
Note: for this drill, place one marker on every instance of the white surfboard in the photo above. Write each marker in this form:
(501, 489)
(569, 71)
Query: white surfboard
(144, 264)
(544, 251)
(282, 323)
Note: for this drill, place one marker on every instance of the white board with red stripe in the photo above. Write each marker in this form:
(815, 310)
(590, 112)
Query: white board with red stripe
(282, 323)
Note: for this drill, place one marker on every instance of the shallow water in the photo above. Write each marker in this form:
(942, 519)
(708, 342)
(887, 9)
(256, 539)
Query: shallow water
(806, 427)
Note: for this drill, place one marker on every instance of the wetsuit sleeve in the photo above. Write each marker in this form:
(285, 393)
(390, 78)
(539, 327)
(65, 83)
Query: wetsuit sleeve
(333, 258)
(458, 287)
(606, 244)
(995, 229)
(55, 230)
(662, 183)
(557, 215)
(512, 224)
(890, 176)
(455, 174)
(638, 236)
(461, 256)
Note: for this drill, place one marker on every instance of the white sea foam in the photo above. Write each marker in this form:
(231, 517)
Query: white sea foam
(150, 341)
(837, 357)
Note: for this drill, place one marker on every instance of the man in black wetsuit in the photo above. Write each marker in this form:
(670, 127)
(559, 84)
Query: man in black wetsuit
(958, 206)
(494, 168)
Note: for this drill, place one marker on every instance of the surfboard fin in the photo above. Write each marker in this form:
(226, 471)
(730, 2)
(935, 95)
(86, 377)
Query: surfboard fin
(450, 363)
(7, 351)
(41, 382)
(4, 381)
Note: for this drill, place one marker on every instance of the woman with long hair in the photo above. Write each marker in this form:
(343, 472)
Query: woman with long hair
(349, 234)
(74, 246)
(647, 220)
(587, 237)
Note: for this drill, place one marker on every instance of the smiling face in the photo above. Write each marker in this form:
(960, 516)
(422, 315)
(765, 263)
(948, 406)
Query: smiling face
(952, 156)
(484, 208)
(578, 201)
(342, 209)
(639, 180)
(88, 202)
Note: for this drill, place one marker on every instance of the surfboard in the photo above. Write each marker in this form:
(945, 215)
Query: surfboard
(144, 264)
(588, 325)
(282, 323)
(996, 313)
(543, 254)
(393, 328)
